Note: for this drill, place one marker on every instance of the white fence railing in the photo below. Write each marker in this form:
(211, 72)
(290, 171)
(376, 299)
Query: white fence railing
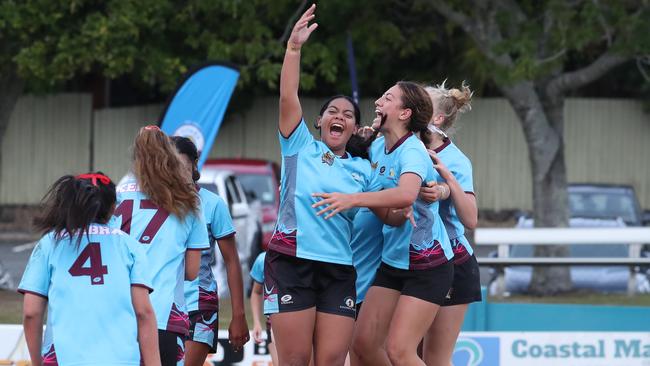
(504, 238)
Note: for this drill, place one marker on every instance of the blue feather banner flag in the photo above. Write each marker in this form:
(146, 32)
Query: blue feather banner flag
(197, 107)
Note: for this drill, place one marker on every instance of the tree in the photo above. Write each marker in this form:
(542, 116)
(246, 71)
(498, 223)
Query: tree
(539, 52)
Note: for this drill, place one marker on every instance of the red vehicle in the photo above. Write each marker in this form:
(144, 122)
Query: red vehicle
(261, 181)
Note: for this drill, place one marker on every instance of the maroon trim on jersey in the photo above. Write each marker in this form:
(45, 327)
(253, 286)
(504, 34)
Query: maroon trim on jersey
(284, 243)
(200, 249)
(445, 142)
(143, 286)
(49, 358)
(292, 131)
(178, 321)
(399, 142)
(23, 291)
(227, 236)
(472, 193)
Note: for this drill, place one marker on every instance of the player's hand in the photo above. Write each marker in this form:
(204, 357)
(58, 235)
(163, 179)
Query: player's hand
(365, 132)
(407, 212)
(302, 30)
(238, 333)
(257, 333)
(432, 192)
(438, 165)
(336, 202)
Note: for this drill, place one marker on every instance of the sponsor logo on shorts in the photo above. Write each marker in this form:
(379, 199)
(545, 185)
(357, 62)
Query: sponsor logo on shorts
(348, 303)
(286, 299)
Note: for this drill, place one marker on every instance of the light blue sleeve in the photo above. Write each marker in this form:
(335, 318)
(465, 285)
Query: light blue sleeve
(463, 174)
(221, 225)
(140, 274)
(298, 139)
(36, 278)
(374, 185)
(414, 160)
(198, 238)
(257, 272)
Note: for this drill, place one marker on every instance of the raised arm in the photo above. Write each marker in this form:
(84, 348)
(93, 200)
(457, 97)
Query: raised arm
(290, 109)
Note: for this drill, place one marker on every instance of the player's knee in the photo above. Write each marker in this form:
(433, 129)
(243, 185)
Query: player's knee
(361, 346)
(295, 359)
(397, 352)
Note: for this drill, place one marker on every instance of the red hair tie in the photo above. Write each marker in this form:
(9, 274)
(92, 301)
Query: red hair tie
(94, 177)
(152, 127)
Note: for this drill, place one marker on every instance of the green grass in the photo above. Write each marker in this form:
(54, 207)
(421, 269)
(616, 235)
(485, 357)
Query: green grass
(11, 307)
(11, 304)
(579, 298)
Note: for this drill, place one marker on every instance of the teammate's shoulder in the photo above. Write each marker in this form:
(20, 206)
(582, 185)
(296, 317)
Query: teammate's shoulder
(458, 154)
(260, 257)
(209, 198)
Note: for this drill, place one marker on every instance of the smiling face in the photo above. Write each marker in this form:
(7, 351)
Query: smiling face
(337, 124)
(390, 108)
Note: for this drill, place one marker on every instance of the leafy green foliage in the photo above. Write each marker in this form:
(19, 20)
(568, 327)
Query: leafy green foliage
(153, 42)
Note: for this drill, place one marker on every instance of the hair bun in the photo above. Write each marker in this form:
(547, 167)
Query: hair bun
(462, 98)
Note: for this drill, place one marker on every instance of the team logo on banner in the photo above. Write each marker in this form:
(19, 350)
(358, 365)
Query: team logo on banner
(476, 351)
(192, 131)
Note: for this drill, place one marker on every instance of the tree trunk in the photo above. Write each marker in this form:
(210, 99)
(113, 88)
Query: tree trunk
(542, 120)
(12, 87)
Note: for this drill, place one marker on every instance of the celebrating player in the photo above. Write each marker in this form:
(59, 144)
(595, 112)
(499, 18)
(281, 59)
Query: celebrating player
(94, 280)
(459, 212)
(415, 274)
(309, 280)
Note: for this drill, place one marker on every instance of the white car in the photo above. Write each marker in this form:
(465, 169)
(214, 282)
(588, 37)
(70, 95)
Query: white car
(245, 219)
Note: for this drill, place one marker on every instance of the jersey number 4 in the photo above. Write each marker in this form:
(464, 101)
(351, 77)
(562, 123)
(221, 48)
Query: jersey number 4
(125, 209)
(96, 271)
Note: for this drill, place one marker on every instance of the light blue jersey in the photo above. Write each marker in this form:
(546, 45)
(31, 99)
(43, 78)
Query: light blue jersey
(461, 167)
(165, 238)
(367, 243)
(406, 247)
(257, 272)
(201, 294)
(90, 317)
(309, 166)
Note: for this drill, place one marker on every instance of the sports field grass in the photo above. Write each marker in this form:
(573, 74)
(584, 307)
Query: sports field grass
(11, 304)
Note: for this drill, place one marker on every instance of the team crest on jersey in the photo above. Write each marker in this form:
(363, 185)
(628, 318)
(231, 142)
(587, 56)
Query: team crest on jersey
(327, 158)
(382, 170)
(374, 165)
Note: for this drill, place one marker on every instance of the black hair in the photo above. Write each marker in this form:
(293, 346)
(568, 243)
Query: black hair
(72, 204)
(357, 110)
(356, 145)
(186, 147)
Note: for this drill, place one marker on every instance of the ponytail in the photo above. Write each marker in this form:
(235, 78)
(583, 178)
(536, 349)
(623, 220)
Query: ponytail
(159, 171)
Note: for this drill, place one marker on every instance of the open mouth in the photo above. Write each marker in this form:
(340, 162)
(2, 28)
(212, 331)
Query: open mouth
(336, 129)
(379, 120)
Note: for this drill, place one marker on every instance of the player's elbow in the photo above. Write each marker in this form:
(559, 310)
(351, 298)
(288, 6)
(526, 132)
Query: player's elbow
(191, 274)
(471, 223)
(405, 198)
(32, 315)
(144, 312)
